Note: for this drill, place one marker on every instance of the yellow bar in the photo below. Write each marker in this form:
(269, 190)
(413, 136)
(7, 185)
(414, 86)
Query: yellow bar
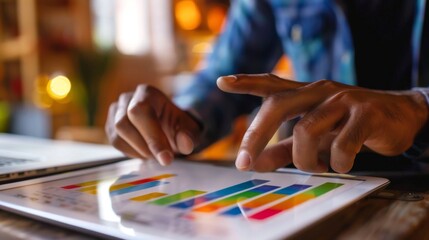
(89, 189)
(168, 175)
(119, 186)
(93, 192)
(84, 184)
(148, 196)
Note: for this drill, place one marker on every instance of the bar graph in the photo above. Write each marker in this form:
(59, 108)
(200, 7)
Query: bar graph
(95, 182)
(234, 199)
(137, 187)
(295, 201)
(255, 199)
(90, 187)
(266, 199)
(219, 194)
(177, 197)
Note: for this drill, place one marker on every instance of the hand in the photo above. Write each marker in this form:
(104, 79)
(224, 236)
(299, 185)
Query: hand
(146, 124)
(336, 122)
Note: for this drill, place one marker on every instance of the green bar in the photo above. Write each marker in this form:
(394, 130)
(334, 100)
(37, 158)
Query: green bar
(176, 197)
(240, 196)
(323, 188)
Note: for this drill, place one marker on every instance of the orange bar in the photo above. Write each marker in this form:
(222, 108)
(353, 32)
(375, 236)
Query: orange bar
(263, 200)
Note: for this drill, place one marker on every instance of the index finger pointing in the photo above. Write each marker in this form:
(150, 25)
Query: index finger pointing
(261, 85)
(277, 108)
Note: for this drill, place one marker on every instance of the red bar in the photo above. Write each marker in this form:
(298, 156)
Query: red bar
(141, 181)
(71, 187)
(264, 214)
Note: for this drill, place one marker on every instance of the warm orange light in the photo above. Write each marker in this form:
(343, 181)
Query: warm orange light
(40, 96)
(59, 87)
(215, 18)
(188, 16)
(202, 48)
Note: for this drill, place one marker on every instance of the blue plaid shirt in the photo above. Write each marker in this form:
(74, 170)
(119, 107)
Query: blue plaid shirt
(314, 34)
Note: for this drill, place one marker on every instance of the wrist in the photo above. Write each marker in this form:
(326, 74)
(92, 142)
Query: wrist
(420, 97)
(418, 150)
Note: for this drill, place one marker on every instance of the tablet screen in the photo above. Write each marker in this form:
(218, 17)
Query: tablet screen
(135, 199)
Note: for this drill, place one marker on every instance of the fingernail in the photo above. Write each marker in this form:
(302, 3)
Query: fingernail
(243, 161)
(229, 78)
(184, 143)
(165, 157)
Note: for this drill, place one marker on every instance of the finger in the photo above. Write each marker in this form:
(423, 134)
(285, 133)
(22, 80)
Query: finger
(143, 116)
(261, 85)
(114, 138)
(276, 109)
(275, 156)
(259, 133)
(126, 130)
(187, 133)
(349, 142)
(310, 130)
(109, 126)
(124, 147)
(181, 129)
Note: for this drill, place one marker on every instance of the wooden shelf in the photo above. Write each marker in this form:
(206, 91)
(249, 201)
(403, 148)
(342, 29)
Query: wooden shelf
(24, 47)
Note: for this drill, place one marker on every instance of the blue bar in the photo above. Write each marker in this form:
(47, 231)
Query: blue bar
(264, 188)
(218, 194)
(127, 176)
(292, 189)
(137, 187)
(233, 211)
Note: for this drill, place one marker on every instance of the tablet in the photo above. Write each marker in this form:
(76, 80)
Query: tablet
(138, 199)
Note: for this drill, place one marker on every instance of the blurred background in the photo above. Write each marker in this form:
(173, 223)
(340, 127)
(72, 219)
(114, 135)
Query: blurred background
(62, 62)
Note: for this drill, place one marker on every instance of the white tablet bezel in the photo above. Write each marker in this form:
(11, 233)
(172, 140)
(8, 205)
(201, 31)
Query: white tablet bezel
(96, 227)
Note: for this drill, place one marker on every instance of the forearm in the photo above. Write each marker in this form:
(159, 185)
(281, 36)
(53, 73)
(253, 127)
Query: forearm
(249, 44)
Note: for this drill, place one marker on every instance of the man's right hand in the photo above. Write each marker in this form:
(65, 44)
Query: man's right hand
(146, 124)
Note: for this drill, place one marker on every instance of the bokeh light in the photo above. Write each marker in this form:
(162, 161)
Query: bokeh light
(187, 15)
(59, 87)
(216, 17)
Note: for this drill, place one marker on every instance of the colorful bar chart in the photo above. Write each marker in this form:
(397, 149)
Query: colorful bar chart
(219, 194)
(177, 197)
(266, 199)
(255, 199)
(95, 182)
(295, 201)
(138, 187)
(234, 199)
(122, 188)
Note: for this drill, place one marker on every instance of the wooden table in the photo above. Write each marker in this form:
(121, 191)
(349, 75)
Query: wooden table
(401, 211)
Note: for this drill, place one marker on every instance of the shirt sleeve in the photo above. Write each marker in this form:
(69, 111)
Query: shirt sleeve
(249, 44)
(420, 147)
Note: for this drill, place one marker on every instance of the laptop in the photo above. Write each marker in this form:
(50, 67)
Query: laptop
(23, 157)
